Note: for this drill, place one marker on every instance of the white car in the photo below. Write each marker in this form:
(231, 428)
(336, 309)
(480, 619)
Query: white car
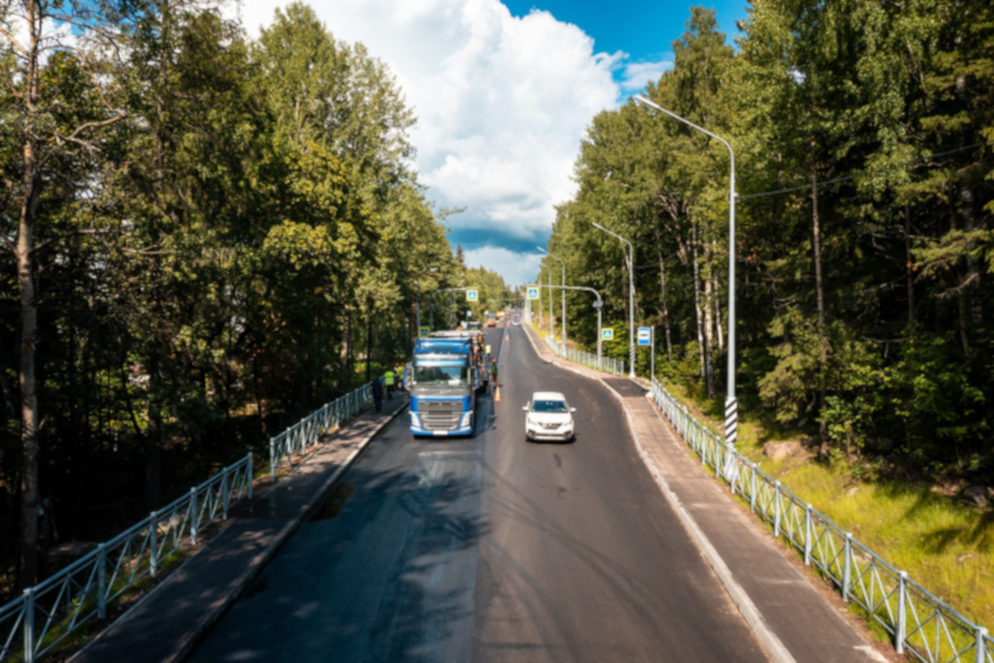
(549, 417)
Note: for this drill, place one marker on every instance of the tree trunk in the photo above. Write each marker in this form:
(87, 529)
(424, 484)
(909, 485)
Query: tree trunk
(718, 330)
(28, 382)
(8, 396)
(708, 327)
(369, 345)
(29, 311)
(153, 440)
(972, 268)
(662, 290)
(908, 264)
(697, 299)
(346, 374)
(820, 297)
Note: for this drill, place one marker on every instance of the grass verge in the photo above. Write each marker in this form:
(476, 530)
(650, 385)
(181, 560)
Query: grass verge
(944, 544)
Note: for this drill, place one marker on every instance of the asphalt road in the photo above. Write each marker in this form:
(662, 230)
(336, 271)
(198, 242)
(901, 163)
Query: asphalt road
(492, 549)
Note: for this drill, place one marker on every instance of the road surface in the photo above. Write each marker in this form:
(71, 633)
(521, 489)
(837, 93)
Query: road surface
(492, 549)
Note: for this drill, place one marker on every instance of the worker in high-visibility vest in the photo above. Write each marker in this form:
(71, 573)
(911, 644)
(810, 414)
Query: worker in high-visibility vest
(388, 379)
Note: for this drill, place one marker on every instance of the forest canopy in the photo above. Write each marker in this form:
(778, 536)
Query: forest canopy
(205, 236)
(862, 133)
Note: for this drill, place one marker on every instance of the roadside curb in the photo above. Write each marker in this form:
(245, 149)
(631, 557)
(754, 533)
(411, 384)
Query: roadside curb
(189, 642)
(770, 643)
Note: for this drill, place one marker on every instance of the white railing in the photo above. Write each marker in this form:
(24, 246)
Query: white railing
(46, 614)
(919, 623)
(309, 430)
(605, 364)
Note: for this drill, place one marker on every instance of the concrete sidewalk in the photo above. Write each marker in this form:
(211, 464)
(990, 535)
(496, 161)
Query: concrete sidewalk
(789, 617)
(168, 623)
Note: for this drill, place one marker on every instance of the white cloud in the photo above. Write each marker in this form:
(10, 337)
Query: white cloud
(502, 102)
(517, 268)
(635, 75)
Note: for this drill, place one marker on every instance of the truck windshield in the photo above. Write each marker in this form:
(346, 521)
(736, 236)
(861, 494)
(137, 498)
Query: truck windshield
(448, 375)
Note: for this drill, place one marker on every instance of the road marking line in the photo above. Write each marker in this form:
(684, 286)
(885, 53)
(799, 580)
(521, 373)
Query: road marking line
(768, 640)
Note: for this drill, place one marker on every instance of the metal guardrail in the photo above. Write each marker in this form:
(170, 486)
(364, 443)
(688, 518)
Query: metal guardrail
(308, 431)
(46, 614)
(919, 623)
(606, 364)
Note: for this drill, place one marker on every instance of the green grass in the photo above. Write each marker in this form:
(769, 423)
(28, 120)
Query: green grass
(944, 544)
(69, 642)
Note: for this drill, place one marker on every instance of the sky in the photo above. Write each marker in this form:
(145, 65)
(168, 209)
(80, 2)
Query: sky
(503, 93)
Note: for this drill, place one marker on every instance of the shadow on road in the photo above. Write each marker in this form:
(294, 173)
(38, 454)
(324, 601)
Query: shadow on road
(384, 570)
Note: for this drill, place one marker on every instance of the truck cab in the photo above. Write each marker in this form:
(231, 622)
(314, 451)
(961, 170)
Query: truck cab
(445, 378)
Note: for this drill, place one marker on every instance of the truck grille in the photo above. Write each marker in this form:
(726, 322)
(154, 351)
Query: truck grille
(440, 415)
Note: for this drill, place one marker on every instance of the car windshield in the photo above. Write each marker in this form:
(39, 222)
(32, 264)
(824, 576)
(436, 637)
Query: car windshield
(549, 406)
(448, 375)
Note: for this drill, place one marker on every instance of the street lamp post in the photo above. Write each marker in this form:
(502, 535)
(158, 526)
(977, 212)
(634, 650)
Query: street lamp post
(731, 403)
(564, 292)
(631, 299)
(598, 305)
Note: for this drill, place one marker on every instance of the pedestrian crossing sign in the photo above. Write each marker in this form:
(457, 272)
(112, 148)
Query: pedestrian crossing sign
(472, 295)
(532, 293)
(424, 332)
(607, 334)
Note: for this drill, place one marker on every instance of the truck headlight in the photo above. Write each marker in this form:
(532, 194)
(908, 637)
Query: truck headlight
(415, 422)
(467, 420)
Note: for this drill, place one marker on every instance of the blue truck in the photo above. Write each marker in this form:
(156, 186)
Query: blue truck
(444, 379)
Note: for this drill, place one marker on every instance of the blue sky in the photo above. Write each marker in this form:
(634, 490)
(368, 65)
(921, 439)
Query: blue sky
(643, 29)
(504, 91)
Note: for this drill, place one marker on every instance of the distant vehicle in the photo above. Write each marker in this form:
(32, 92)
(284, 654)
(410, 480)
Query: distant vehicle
(549, 417)
(473, 325)
(491, 322)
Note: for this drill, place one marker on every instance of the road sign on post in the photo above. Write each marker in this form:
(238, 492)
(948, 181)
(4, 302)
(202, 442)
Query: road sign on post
(424, 332)
(532, 293)
(472, 295)
(607, 334)
(645, 336)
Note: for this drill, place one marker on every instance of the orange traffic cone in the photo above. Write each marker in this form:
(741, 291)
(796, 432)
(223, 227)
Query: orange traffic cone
(497, 393)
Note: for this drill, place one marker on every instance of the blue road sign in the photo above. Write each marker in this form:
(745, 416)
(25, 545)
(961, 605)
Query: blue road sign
(532, 293)
(607, 334)
(645, 336)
